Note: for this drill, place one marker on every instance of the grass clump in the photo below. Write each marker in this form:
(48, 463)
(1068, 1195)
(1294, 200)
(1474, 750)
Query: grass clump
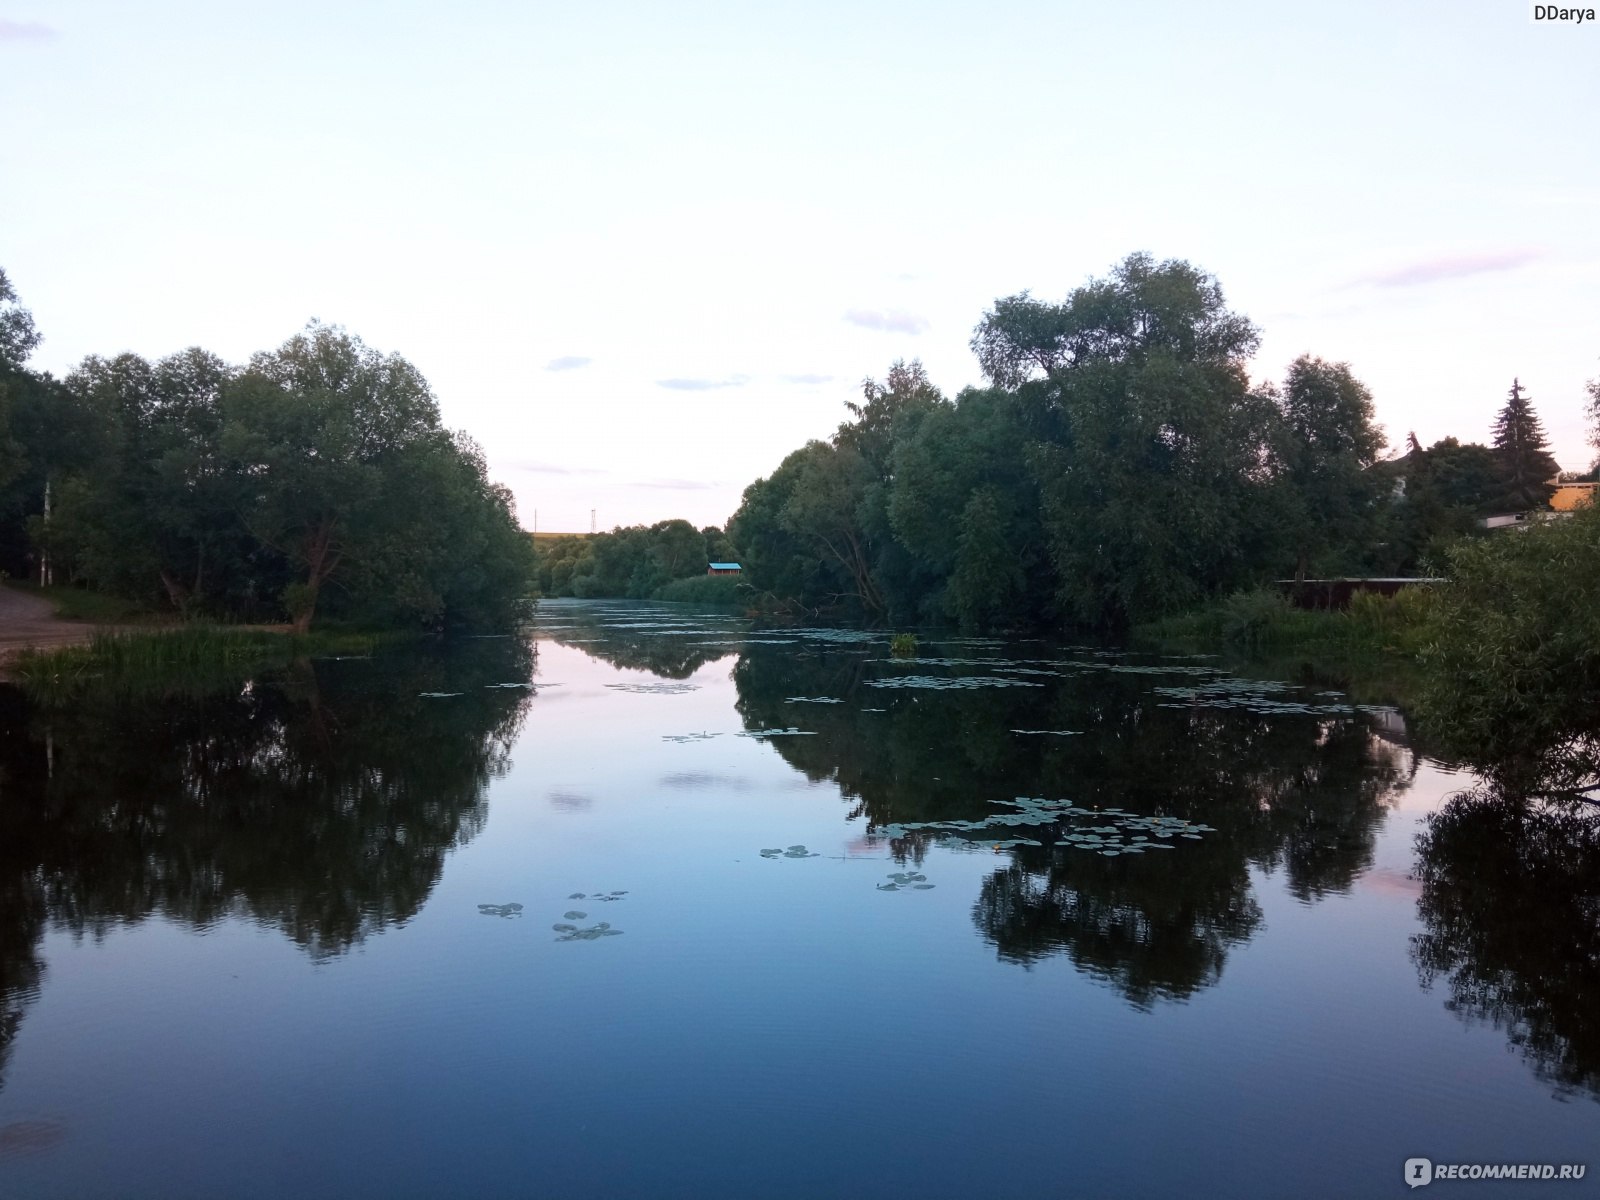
(192, 659)
(903, 645)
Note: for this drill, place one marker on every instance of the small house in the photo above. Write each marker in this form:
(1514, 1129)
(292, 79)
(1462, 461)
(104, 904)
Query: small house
(1569, 496)
(723, 569)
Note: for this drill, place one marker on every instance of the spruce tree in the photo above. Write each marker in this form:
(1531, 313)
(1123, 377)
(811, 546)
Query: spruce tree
(1523, 451)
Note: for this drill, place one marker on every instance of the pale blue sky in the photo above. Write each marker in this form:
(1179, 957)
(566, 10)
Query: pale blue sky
(714, 219)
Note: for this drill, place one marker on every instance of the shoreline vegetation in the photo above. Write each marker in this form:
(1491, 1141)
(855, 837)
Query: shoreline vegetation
(1119, 473)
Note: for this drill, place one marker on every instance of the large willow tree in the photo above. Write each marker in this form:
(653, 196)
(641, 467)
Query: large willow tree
(1153, 452)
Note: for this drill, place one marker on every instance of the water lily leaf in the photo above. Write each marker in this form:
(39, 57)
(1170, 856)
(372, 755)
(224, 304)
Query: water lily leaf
(923, 887)
(564, 928)
(575, 896)
(574, 915)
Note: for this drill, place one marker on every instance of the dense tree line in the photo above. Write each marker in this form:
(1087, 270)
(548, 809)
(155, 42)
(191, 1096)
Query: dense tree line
(1118, 466)
(317, 477)
(667, 560)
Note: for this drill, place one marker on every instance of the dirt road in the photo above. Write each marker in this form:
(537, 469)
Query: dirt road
(31, 621)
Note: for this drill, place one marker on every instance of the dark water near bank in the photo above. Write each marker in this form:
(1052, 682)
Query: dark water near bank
(713, 913)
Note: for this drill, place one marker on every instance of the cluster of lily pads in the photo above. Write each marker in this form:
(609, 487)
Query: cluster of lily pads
(812, 700)
(1112, 831)
(574, 933)
(654, 689)
(689, 737)
(1051, 732)
(791, 852)
(500, 910)
(906, 881)
(792, 731)
(948, 682)
(1260, 696)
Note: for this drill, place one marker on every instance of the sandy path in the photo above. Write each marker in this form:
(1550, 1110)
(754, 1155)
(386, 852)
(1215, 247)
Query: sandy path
(31, 621)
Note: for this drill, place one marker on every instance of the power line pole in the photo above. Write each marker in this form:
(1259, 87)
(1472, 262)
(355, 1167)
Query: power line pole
(591, 520)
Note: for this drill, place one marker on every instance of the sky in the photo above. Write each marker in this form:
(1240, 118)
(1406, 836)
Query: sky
(644, 250)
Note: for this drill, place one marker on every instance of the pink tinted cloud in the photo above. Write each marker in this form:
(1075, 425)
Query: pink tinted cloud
(26, 31)
(1452, 266)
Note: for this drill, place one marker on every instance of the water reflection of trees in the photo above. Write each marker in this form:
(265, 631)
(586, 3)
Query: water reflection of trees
(1304, 795)
(321, 805)
(1510, 906)
(654, 638)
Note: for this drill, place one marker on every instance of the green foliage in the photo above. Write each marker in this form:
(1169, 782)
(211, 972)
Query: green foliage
(316, 479)
(18, 337)
(720, 590)
(1328, 492)
(1513, 656)
(903, 645)
(635, 562)
(1366, 641)
(190, 660)
(1153, 460)
(1523, 452)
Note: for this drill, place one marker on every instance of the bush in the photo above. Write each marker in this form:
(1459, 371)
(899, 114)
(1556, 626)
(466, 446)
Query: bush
(1512, 658)
(703, 589)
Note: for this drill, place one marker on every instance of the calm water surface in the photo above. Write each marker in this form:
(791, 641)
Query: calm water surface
(714, 912)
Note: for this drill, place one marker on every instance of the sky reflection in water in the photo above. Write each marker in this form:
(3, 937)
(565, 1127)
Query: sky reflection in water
(1187, 945)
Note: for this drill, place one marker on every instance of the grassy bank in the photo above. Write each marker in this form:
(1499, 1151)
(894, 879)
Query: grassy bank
(1372, 647)
(187, 658)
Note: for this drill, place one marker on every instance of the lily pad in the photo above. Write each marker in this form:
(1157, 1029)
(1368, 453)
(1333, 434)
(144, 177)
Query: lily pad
(574, 915)
(500, 910)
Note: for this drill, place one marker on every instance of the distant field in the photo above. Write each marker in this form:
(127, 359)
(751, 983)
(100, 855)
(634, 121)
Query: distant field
(542, 536)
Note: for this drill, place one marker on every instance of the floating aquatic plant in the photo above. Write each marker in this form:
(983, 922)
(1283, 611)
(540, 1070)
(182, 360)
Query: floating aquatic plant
(571, 933)
(1051, 732)
(688, 737)
(903, 881)
(791, 852)
(939, 683)
(437, 695)
(766, 733)
(500, 910)
(1085, 828)
(654, 689)
(812, 700)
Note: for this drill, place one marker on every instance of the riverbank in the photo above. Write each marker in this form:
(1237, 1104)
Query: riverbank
(29, 621)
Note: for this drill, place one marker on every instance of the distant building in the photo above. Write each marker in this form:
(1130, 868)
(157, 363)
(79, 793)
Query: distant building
(723, 569)
(1569, 496)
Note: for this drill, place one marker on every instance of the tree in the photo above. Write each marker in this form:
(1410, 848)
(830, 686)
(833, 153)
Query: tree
(906, 389)
(1329, 447)
(1593, 388)
(1152, 452)
(18, 336)
(987, 573)
(311, 428)
(940, 464)
(1524, 453)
